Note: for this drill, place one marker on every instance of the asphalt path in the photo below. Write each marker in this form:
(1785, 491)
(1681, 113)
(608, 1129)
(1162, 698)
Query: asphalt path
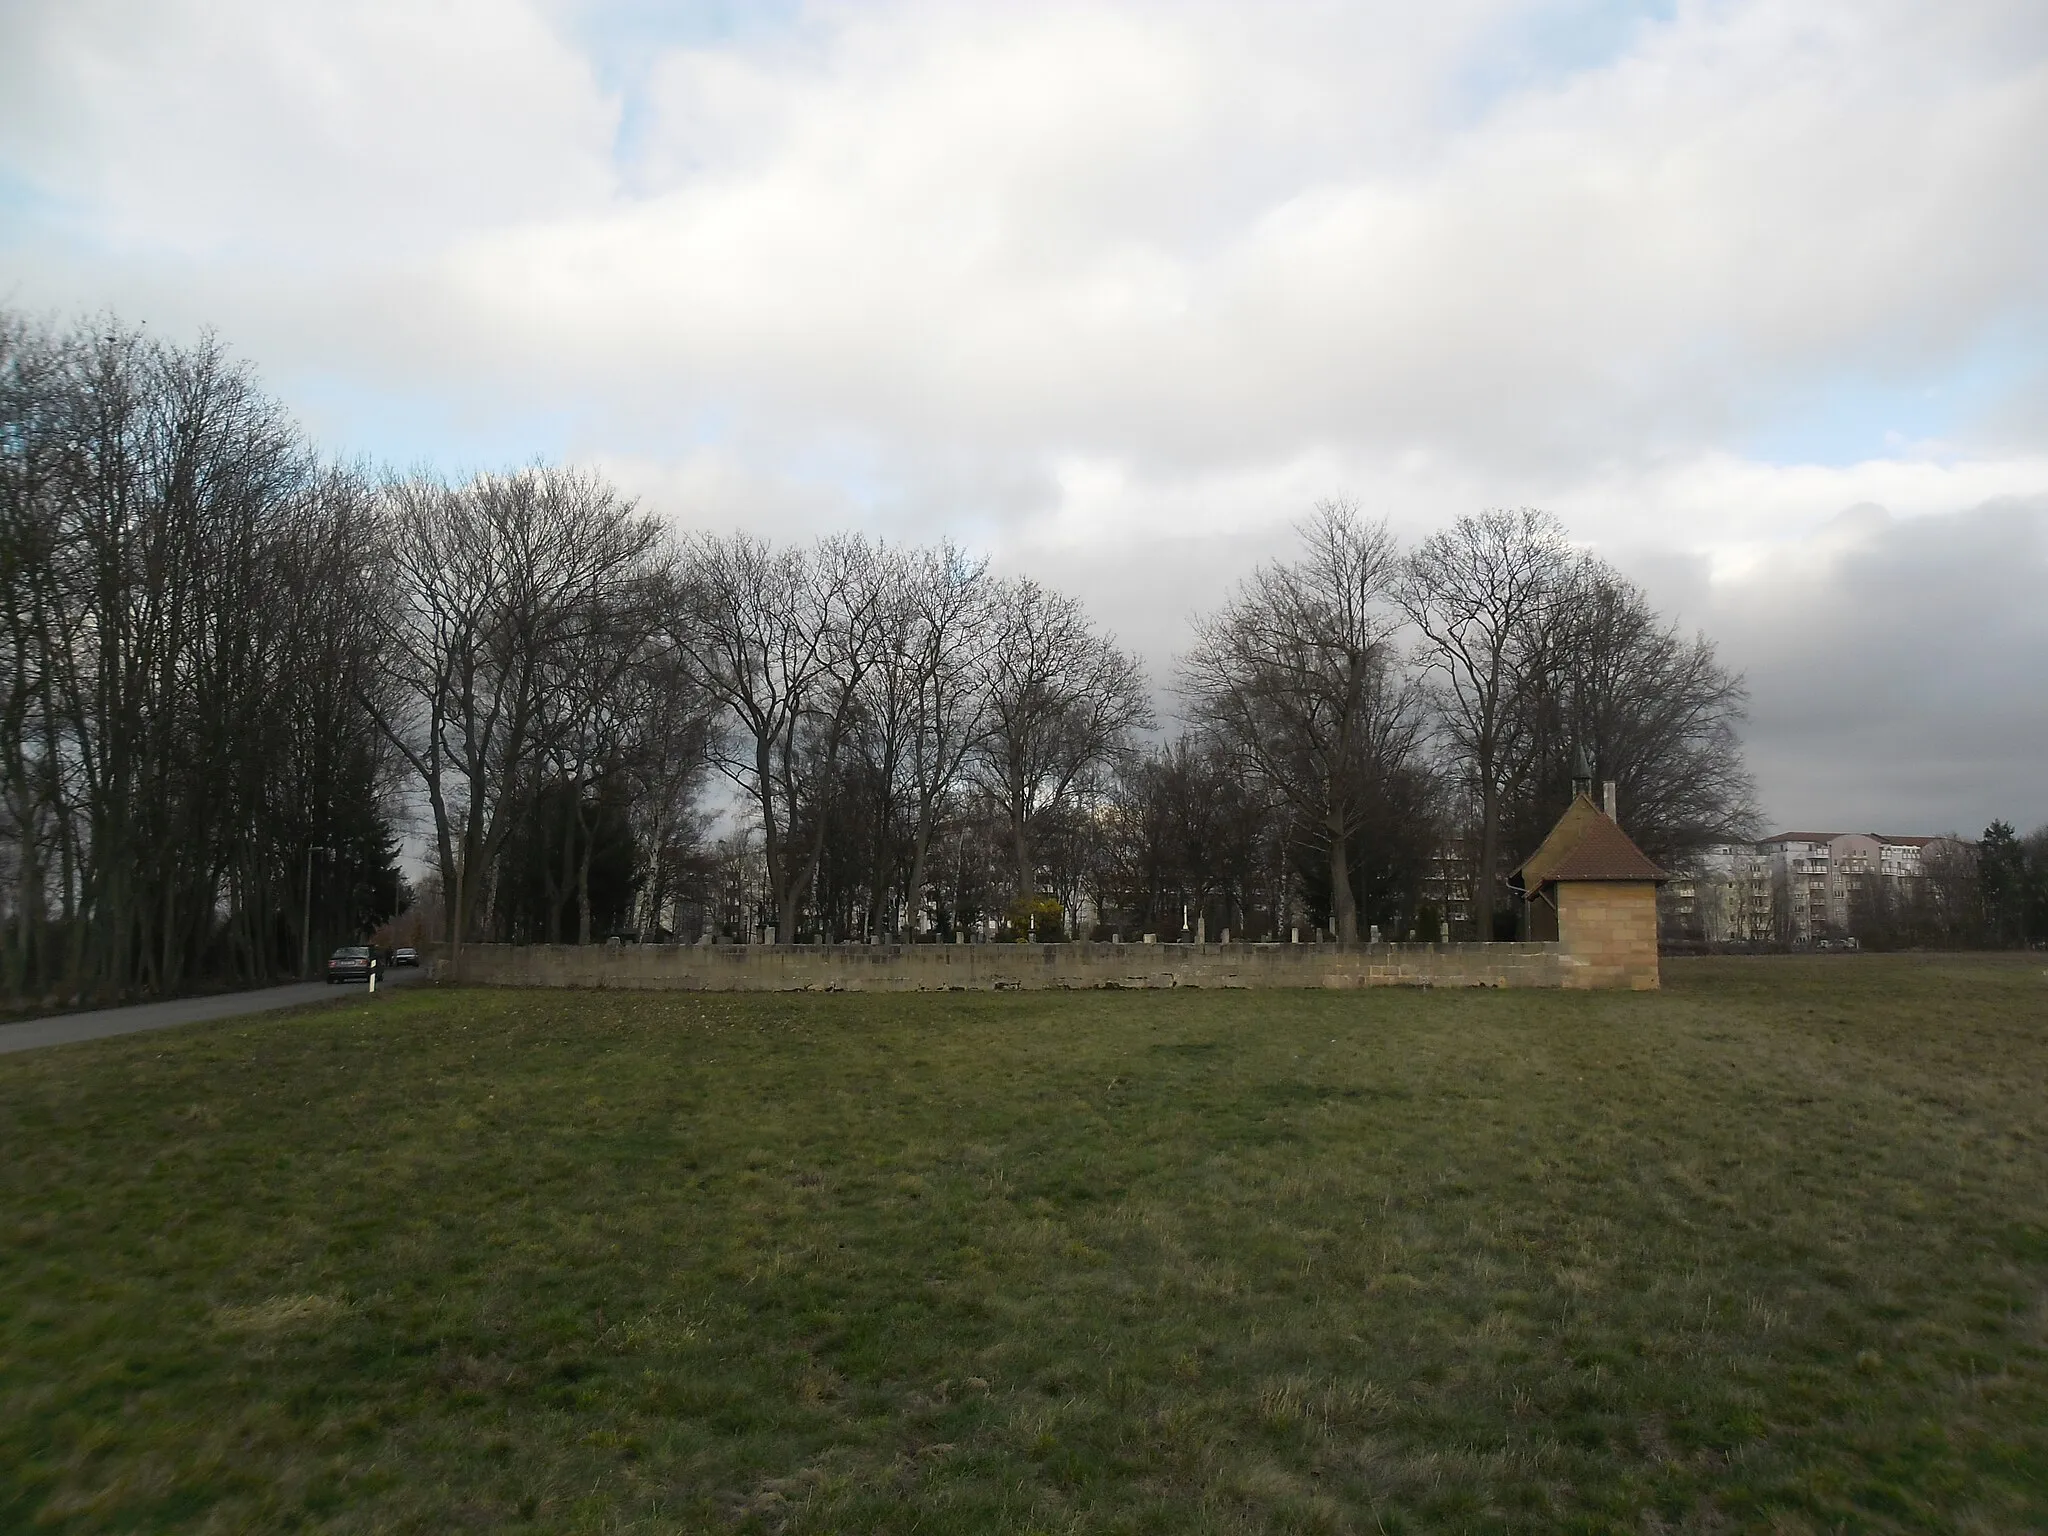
(64, 1028)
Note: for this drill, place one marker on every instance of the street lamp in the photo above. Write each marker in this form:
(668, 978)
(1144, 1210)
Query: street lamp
(306, 916)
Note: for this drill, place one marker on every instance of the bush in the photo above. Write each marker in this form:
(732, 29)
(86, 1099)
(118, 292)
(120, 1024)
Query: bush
(1028, 917)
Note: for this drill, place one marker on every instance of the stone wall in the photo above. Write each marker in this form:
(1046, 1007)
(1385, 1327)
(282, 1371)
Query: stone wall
(1001, 967)
(1609, 933)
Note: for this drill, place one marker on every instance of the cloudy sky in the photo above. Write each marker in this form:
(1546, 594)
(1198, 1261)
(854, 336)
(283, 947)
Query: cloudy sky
(1754, 296)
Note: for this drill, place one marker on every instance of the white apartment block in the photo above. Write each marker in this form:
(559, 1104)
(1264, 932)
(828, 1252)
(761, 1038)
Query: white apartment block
(1724, 893)
(1823, 875)
(1803, 882)
(1799, 887)
(1795, 887)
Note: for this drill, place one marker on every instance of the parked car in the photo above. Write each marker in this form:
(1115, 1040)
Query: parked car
(353, 962)
(405, 954)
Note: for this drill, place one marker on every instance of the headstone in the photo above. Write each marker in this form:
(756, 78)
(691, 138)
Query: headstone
(1224, 937)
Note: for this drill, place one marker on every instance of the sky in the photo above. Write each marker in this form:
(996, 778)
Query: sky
(1752, 295)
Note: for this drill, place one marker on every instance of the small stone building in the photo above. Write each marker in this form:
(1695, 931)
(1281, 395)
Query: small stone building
(1594, 893)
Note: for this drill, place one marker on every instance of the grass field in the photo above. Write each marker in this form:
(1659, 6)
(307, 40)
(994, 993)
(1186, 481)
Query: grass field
(1768, 1251)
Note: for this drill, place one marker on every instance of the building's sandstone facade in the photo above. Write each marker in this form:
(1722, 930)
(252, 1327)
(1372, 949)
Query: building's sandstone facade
(1608, 934)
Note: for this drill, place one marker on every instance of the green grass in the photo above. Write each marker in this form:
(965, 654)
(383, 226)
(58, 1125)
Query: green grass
(1768, 1251)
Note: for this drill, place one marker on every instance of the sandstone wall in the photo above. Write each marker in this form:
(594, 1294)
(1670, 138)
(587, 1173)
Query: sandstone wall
(1001, 967)
(1609, 934)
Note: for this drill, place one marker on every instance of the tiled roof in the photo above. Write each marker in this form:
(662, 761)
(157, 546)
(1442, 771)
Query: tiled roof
(1829, 837)
(1584, 845)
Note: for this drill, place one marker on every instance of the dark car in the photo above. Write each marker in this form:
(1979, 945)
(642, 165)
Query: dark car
(353, 962)
(405, 954)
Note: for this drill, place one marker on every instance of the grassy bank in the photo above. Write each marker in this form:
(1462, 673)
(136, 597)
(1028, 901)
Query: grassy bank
(1766, 1251)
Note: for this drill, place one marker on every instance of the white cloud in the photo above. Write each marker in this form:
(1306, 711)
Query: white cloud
(319, 136)
(1895, 666)
(1114, 290)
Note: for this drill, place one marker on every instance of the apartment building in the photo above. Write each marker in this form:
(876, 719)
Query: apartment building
(1448, 884)
(1724, 894)
(1802, 866)
(1802, 887)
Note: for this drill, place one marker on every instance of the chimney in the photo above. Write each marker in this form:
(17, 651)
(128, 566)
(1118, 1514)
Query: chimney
(1607, 802)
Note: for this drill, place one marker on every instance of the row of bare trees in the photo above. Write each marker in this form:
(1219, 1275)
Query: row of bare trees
(552, 657)
(187, 778)
(1350, 713)
(1454, 687)
(868, 699)
(520, 674)
(228, 665)
(550, 653)
(1532, 653)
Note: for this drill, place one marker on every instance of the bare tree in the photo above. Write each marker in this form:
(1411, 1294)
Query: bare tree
(1483, 593)
(1653, 709)
(497, 585)
(780, 641)
(597, 714)
(955, 635)
(666, 765)
(1062, 703)
(923, 708)
(180, 657)
(1296, 675)
(1192, 828)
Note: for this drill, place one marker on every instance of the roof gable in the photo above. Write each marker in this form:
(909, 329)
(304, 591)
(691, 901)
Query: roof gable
(1584, 845)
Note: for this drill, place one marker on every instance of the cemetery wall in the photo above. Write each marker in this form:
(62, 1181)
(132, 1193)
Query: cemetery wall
(1001, 967)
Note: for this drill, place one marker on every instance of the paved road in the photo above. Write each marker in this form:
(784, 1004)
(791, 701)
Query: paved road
(64, 1028)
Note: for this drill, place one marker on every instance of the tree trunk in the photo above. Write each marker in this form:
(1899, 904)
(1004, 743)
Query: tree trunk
(1027, 869)
(1489, 859)
(473, 876)
(587, 842)
(920, 849)
(1343, 906)
(879, 871)
(559, 886)
(791, 903)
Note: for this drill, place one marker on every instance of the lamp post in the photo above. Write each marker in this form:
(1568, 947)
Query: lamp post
(306, 916)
